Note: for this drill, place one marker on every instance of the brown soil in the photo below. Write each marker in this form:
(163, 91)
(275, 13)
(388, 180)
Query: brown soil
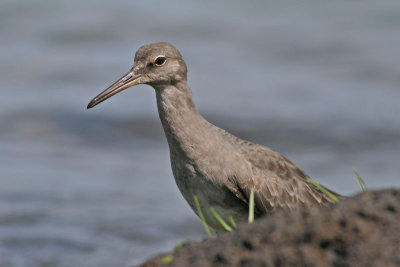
(360, 231)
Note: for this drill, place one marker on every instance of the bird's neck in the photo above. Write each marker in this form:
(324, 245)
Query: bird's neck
(184, 127)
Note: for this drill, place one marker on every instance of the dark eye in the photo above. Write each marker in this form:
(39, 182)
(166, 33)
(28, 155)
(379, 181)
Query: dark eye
(160, 60)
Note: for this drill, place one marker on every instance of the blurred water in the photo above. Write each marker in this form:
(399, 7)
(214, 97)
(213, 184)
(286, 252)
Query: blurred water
(317, 81)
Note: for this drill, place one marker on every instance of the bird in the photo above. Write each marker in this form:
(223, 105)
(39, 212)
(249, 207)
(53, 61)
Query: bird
(217, 167)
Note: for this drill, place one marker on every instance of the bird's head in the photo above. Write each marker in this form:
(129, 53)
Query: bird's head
(156, 64)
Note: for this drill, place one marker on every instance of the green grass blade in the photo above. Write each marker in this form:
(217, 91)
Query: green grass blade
(360, 180)
(200, 213)
(167, 259)
(232, 221)
(323, 189)
(220, 220)
(178, 245)
(251, 207)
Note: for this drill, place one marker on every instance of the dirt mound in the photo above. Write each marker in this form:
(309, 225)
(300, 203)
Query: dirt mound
(363, 230)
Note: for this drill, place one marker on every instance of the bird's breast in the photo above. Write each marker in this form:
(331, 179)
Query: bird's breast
(193, 183)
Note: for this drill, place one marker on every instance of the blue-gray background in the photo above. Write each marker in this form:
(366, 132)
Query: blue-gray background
(317, 81)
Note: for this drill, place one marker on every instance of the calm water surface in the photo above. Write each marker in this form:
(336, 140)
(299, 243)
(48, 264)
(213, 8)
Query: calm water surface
(319, 82)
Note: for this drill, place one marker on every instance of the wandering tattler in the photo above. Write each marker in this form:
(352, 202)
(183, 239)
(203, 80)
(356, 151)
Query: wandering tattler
(208, 162)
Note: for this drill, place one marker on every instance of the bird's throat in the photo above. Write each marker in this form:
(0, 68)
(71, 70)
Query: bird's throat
(183, 126)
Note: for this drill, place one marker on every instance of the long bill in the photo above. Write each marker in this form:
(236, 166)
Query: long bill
(126, 81)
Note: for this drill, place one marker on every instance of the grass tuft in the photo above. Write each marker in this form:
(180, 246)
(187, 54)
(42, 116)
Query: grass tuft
(201, 215)
(169, 258)
(360, 180)
(252, 205)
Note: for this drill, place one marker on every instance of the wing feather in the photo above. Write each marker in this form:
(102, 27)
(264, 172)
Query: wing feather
(277, 182)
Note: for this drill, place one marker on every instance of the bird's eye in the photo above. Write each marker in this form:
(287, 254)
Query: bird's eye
(160, 60)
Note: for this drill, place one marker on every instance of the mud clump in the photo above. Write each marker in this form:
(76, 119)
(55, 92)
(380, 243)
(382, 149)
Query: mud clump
(363, 230)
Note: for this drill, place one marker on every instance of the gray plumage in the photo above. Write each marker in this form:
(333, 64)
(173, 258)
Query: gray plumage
(216, 166)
